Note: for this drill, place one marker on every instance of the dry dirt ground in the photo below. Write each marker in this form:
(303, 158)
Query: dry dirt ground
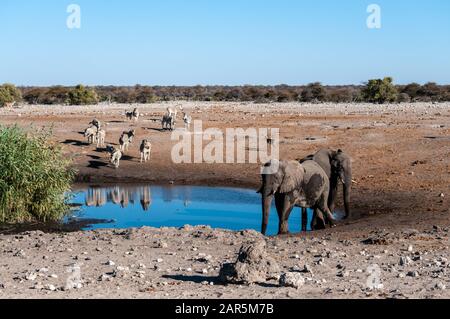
(400, 201)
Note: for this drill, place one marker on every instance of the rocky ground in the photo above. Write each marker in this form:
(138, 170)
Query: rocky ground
(400, 200)
(185, 263)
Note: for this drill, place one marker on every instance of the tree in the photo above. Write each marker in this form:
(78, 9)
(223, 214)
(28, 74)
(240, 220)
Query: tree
(9, 94)
(380, 91)
(314, 92)
(412, 90)
(82, 96)
(431, 90)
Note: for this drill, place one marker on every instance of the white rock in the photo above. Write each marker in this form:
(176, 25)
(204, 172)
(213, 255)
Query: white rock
(294, 280)
(31, 276)
(440, 286)
(50, 287)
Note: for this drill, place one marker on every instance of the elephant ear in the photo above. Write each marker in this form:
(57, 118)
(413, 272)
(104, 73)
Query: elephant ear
(293, 177)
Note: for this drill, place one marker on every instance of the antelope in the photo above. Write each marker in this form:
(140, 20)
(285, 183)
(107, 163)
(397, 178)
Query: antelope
(146, 148)
(187, 121)
(168, 122)
(126, 139)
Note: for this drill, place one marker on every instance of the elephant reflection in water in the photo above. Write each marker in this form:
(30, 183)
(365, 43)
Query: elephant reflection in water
(95, 197)
(145, 195)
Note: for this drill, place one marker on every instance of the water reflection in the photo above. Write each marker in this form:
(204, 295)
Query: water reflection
(175, 206)
(97, 196)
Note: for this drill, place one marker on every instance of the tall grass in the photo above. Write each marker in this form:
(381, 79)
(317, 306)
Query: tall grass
(34, 177)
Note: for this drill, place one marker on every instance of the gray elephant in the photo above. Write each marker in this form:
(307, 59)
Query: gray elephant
(338, 167)
(293, 184)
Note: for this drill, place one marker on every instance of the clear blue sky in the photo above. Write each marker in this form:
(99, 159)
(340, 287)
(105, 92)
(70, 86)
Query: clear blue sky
(189, 42)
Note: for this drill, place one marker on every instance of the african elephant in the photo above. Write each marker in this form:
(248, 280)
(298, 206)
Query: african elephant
(293, 184)
(338, 167)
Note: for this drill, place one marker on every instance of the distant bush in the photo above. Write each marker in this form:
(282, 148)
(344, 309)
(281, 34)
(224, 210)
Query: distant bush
(314, 92)
(82, 96)
(380, 91)
(34, 177)
(403, 98)
(9, 94)
(430, 90)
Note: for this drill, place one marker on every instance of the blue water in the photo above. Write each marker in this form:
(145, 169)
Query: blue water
(176, 206)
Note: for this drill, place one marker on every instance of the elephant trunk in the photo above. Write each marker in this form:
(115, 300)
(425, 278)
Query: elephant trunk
(347, 189)
(266, 203)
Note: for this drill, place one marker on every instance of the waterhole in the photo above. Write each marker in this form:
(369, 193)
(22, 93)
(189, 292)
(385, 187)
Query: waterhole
(126, 206)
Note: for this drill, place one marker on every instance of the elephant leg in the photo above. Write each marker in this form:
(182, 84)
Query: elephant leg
(322, 205)
(279, 204)
(286, 206)
(333, 193)
(304, 219)
(318, 221)
(347, 188)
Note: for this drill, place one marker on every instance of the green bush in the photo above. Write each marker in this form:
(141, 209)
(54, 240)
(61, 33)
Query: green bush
(8, 94)
(34, 177)
(380, 91)
(82, 96)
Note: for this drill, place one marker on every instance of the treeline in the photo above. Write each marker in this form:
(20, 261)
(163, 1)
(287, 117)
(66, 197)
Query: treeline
(375, 91)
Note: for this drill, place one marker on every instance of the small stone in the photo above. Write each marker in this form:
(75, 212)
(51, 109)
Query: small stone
(159, 260)
(31, 276)
(343, 274)
(38, 286)
(413, 274)
(405, 261)
(293, 280)
(110, 263)
(440, 286)
(307, 269)
(50, 287)
(204, 271)
(410, 248)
